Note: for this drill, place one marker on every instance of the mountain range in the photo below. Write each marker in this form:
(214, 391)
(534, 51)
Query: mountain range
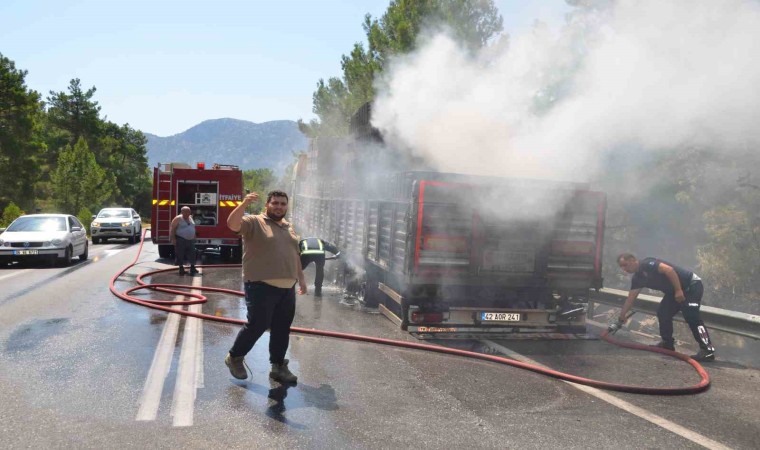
(245, 144)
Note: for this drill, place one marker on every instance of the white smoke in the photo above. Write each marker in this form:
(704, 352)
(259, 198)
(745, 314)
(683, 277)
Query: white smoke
(649, 75)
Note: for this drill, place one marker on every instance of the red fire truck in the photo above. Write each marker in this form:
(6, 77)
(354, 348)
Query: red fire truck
(210, 193)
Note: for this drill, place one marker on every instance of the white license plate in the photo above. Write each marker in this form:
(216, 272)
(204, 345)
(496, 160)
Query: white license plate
(499, 317)
(25, 252)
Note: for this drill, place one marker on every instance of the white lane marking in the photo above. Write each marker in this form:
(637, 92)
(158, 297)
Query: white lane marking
(199, 379)
(622, 404)
(13, 274)
(159, 368)
(190, 367)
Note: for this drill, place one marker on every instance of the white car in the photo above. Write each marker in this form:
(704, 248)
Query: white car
(44, 236)
(116, 223)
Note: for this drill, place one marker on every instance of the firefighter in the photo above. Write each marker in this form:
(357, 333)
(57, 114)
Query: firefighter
(313, 250)
(682, 291)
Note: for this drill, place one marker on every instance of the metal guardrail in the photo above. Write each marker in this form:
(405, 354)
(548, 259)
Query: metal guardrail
(733, 322)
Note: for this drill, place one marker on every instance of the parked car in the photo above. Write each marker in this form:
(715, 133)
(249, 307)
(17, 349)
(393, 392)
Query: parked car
(44, 236)
(116, 223)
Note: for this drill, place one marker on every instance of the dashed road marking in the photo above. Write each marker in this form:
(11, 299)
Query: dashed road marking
(190, 371)
(622, 404)
(159, 368)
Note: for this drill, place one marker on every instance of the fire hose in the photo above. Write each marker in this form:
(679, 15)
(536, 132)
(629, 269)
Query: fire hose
(182, 289)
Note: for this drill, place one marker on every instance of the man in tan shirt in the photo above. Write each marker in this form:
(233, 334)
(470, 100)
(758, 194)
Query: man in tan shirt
(271, 268)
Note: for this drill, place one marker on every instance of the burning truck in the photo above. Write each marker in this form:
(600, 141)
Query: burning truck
(451, 255)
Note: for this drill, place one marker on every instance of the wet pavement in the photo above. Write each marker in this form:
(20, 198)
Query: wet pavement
(75, 365)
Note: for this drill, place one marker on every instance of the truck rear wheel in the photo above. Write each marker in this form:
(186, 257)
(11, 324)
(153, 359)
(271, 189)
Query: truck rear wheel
(237, 254)
(371, 291)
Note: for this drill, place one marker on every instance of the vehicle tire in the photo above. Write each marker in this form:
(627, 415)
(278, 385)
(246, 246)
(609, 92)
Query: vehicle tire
(371, 291)
(138, 236)
(165, 251)
(131, 239)
(66, 260)
(360, 292)
(85, 254)
(95, 241)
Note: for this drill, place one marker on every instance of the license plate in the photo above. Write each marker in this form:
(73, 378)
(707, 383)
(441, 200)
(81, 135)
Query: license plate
(25, 252)
(499, 317)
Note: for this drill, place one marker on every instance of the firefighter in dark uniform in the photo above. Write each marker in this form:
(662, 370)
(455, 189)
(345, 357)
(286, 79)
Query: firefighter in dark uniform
(313, 250)
(682, 291)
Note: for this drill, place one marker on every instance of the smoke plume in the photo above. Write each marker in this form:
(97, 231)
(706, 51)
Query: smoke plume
(642, 76)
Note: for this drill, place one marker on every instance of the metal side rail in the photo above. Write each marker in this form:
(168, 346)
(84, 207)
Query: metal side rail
(742, 324)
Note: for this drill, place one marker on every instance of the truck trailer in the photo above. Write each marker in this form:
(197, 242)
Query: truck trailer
(210, 193)
(453, 255)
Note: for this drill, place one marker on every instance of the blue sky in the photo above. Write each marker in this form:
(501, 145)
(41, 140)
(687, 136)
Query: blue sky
(165, 65)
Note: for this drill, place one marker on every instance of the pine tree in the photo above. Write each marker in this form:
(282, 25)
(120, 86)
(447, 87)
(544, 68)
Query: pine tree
(78, 181)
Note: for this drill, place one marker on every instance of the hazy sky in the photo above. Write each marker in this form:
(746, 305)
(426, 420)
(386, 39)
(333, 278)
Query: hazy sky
(165, 65)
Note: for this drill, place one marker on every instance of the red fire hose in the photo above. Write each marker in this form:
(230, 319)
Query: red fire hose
(181, 289)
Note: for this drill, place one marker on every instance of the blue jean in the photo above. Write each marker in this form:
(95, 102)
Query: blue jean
(268, 307)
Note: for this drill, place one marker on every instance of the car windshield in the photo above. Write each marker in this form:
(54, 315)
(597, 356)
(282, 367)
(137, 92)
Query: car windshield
(38, 224)
(121, 213)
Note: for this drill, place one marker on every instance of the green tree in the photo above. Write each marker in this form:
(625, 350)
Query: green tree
(85, 216)
(124, 154)
(332, 105)
(20, 143)
(10, 213)
(72, 115)
(120, 151)
(472, 22)
(75, 112)
(260, 181)
(730, 257)
(78, 181)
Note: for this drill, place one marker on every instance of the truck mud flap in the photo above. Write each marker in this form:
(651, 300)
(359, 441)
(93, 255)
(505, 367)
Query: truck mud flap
(390, 315)
(397, 298)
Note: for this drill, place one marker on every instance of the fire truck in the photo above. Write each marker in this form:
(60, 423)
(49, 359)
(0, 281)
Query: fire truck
(210, 193)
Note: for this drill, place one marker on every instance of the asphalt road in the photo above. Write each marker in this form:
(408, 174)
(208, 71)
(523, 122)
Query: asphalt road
(80, 368)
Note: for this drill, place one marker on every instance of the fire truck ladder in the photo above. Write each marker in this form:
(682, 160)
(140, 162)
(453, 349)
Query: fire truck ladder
(165, 199)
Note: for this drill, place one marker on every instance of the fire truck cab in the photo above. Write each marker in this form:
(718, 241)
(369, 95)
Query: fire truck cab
(210, 193)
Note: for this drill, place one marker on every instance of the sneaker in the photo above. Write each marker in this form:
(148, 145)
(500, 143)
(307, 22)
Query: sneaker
(704, 355)
(237, 369)
(182, 271)
(665, 345)
(194, 271)
(281, 373)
